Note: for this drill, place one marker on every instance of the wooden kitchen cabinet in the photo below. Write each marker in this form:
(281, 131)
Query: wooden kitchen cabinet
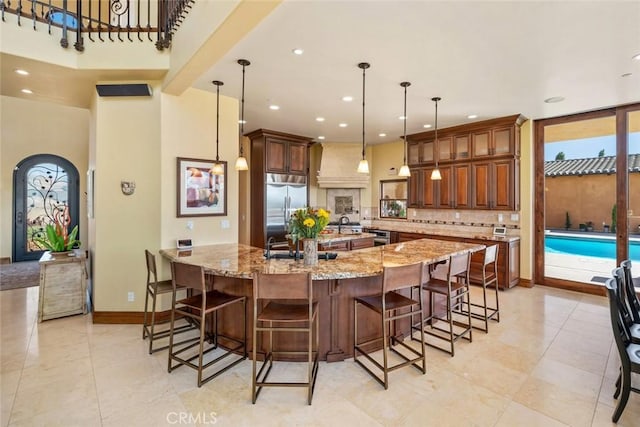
(281, 152)
(479, 164)
(496, 184)
(272, 152)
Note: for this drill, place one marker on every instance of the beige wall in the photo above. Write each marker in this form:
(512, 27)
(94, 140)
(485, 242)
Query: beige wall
(31, 127)
(586, 198)
(527, 183)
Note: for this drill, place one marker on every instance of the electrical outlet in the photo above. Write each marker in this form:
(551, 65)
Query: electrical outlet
(515, 217)
(500, 217)
(189, 225)
(457, 215)
(224, 224)
(130, 296)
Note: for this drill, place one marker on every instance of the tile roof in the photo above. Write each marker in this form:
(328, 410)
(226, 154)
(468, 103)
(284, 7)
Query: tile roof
(591, 166)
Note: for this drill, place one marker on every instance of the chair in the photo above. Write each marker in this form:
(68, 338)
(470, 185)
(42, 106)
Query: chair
(620, 276)
(629, 353)
(197, 307)
(274, 301)
(455, 287)
(387, 304)
(630, 291)
(155, 288)
(485, 273)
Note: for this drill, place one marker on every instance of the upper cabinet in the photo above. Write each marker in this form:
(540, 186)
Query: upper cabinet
(283, 153)
(489, 138)
(479, 164)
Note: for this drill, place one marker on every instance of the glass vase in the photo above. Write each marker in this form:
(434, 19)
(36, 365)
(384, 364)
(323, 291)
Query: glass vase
(310, 247)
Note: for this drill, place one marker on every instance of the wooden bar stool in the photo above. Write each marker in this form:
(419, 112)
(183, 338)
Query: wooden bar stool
(157, 287)
(455, 287)
(485, 273)
(197, 307)
(387, 305)
(274, 301)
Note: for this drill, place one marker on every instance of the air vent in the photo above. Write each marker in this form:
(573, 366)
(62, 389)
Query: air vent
(133, 89)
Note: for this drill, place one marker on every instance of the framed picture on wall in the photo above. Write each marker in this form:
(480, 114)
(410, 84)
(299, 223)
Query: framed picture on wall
(200, 192)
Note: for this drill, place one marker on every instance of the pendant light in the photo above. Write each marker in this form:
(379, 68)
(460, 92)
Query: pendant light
(363, 166)
(435, 175)
(218, 168)
(241, 163)
(404, 169)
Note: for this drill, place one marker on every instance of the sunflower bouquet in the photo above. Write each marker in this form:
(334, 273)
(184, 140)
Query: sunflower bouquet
(307, 223)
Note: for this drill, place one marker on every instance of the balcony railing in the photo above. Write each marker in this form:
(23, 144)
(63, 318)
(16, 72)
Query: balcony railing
(103, 20)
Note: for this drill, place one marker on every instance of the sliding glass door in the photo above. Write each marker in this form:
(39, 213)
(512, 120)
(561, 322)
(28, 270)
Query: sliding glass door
(587, 173)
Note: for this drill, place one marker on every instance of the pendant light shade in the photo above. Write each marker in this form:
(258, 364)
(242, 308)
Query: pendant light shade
(363, 166)
(218, 168)
(241, 162)
(404, 169)
(435, 175)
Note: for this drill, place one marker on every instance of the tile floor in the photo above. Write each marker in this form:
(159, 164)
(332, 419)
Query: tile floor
(549, 362)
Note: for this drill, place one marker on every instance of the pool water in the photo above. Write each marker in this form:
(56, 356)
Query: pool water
(587, 246)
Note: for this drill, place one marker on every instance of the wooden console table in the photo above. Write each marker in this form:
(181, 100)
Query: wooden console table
(63, 285)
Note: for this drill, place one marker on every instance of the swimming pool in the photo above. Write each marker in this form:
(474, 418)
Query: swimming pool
(600, 247)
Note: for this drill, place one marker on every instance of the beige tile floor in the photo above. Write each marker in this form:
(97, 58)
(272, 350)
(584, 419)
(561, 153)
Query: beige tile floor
(549, 362)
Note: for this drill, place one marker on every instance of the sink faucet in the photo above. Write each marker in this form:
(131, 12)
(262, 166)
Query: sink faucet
(344, 220)
(270, 242)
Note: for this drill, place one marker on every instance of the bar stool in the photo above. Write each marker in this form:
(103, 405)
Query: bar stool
(274, 297)
(485, 274)
(456, 290)
(387, 305)
(155, 288)
(630, 291)
(197, 307)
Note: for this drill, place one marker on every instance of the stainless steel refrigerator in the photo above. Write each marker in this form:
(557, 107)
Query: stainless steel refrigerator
(285, 194)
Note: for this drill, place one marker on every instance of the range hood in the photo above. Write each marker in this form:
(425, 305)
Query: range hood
(338, 166)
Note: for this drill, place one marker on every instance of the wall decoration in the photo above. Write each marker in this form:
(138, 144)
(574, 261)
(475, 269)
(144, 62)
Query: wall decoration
(199, 191)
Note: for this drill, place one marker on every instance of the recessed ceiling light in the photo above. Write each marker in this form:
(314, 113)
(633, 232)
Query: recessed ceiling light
(627, 74)
(401, 117)
(242, 122)
(28, 91)
(554, 99)
(472, 116)
(636, 57)
(427, 126)
(22, 72)
(347, 98)
(319, 119)
(298, 51)
(321, 137)
(382, 134)
(343, 125)
(274, 107)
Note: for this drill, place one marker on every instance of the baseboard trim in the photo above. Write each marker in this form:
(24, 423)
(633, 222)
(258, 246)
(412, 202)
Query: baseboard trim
(127, 317)
(526, 283)
(5, 260)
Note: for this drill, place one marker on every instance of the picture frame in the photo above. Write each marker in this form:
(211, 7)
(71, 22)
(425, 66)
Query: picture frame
(199, 191)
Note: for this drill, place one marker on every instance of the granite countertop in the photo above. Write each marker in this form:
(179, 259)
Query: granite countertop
(238, 260)
(410, 227)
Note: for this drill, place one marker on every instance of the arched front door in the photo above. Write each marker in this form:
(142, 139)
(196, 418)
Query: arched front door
(42, 184)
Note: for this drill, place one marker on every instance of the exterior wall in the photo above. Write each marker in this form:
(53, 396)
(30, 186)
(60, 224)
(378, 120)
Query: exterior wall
(31, 127)
(586, 198)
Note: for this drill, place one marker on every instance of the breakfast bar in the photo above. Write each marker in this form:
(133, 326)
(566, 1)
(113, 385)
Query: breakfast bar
(336, 283)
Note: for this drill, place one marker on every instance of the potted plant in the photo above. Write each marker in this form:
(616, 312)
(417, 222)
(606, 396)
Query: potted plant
(57, 237)
(306, 224)
(567, 220)
(589, 225)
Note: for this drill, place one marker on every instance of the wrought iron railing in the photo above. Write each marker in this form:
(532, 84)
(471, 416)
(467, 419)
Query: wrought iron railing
(102, 20)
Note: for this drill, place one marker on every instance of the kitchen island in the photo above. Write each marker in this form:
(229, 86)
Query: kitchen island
(336, 283)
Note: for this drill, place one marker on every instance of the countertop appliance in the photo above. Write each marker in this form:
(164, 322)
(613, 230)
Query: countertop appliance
(284, 194)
